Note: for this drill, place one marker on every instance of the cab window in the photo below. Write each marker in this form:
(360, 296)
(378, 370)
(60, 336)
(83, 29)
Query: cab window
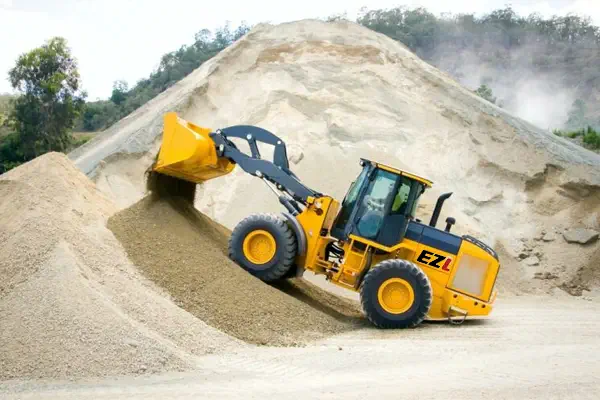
(400, 203)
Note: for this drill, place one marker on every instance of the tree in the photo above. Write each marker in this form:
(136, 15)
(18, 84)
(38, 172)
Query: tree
(511, 49)
(485, 92)
(119, 92)
(591, 138)
(50, 99)
(577, 117)
(172, 67)
(337, 17)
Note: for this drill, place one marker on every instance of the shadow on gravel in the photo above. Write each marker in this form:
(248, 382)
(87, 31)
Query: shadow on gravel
(467, 322)
(341, 309)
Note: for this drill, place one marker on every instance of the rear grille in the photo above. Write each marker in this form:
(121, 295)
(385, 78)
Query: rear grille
(471, 275)
(481, 245)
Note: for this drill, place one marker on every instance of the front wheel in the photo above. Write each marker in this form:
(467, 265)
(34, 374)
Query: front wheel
(264, 245)
(396, 294)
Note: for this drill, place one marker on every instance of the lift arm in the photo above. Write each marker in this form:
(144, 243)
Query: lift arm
(197, 154)
(276, 172)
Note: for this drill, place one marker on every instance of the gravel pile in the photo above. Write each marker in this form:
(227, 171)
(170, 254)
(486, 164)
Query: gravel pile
(337, 92)
(185, 252)
(71, 303)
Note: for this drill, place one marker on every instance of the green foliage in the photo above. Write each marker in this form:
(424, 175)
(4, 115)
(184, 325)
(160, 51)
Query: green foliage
(10, 152)
(119, 93)
(579, 116)
(40, 119)
(337, 17)
(79, 139)
(50, 99)
(6, 105)
(500, 46)
(416, 28)
(485, 92)
(173, 67)
(96, 114)
(589, 136)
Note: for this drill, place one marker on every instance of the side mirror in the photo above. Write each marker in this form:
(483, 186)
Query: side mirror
(449, 222)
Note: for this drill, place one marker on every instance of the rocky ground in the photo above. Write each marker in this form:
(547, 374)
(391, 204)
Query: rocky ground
(533, 348)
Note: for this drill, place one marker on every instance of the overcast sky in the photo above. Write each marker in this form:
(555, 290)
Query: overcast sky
(124, 39)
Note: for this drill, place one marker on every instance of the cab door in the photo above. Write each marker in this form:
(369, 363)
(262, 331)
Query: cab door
(387, 207)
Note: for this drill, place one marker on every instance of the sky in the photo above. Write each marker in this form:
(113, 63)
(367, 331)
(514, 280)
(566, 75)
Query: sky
(124, 39)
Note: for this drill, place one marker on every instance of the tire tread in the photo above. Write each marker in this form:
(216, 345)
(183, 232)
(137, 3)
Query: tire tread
(398, 265)
(289, 245)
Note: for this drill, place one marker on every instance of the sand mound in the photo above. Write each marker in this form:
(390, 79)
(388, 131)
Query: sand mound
(71, 304)
(336, 92)
(185, 252)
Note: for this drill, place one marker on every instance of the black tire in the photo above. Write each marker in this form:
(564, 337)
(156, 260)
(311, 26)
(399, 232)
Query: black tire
(414, 276)
(292, 273)
(285, 246)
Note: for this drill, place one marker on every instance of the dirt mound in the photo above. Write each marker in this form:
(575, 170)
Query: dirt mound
(585, 278)
(336, 92)
(185, 252)
(71, 304)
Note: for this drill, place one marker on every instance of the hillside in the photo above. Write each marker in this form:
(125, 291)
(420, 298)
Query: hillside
(336, 92)
(172, 67)
(527, 61)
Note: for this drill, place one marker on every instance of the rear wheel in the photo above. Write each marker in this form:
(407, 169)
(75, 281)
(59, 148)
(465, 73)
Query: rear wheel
(396, 294)
(264, 245)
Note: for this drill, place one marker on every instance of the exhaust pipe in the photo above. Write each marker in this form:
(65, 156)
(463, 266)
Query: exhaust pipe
(438, 208)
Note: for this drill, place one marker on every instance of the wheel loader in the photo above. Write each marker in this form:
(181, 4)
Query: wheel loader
(371, 242)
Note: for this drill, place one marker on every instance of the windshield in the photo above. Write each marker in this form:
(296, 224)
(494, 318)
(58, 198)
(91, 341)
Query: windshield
(372, 207)
(355, 188)
(350, 200)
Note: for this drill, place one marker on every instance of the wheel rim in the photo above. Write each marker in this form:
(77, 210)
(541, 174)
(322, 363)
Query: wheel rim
(396, 295)
(259, 247)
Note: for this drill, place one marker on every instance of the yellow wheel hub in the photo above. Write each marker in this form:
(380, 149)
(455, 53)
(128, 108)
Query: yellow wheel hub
(396, 295)
(259, 247)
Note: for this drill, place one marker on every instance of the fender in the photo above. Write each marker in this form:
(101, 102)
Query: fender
(297, 228)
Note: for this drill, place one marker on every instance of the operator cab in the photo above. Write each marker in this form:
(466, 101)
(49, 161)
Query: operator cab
(379, 204)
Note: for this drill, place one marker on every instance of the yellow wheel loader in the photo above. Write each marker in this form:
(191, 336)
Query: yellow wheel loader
(370, 242)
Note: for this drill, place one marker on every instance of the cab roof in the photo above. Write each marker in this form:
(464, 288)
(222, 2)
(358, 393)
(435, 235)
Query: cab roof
(410, 175)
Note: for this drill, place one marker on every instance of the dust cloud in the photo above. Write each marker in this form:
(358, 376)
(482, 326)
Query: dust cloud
(514, 78)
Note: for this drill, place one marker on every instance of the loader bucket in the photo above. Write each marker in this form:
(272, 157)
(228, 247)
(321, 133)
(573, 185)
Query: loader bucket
(187, 152)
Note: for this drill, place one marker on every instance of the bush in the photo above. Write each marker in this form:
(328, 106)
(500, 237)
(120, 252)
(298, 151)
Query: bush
(80, 140)
(592, 138)
(485, 92)
(11, 155)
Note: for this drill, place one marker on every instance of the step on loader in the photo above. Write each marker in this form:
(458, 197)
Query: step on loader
(371, 242)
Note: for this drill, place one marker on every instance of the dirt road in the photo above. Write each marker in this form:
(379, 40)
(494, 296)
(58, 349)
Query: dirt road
(532, 348)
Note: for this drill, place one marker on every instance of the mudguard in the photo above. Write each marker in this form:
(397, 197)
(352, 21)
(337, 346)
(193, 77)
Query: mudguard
(297, 228)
